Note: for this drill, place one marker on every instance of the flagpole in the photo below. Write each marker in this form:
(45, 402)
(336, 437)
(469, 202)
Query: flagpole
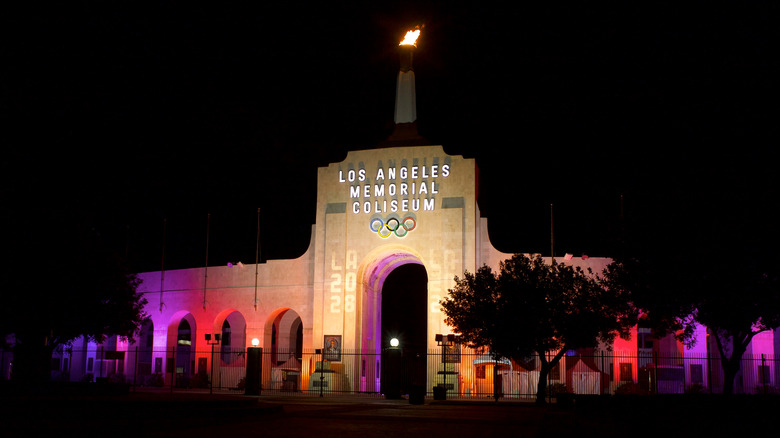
(162, 265)
(257, 255)
(206, 266)
(552, 237)
(622, 230)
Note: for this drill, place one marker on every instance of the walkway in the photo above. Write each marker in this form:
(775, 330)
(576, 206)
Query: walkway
(165, 414)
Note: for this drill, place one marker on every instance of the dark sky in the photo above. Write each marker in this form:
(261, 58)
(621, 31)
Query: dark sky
(121, 115)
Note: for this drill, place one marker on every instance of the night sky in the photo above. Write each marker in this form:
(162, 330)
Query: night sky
(123, 115)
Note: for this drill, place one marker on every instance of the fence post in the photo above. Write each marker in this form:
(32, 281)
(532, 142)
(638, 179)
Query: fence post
(322, 366)
(549, 380)
(135, 369)
(172, 366)
(655, 371)
(70, 362)
(709, 372)
(495, 376)
(102, 360)
(602, 374)
(764, 372)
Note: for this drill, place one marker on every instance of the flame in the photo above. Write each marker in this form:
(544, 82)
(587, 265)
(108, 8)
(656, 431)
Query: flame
(411, 38)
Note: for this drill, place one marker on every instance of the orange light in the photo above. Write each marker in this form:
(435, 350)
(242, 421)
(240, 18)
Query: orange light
(411, 38)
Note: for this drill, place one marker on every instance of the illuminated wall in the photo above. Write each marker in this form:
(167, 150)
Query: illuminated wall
(376, 210)
(379, 209)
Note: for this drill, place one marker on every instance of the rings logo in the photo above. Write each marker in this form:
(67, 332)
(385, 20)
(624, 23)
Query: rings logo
(392, 225)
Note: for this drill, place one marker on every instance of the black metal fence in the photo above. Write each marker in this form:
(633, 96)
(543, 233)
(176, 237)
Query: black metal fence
(463, 373)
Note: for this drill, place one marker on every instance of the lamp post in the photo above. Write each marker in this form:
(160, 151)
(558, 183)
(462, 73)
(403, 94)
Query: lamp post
(322, 370)
(217, 339)
(391, 373)
(254, 368)
(444, 341)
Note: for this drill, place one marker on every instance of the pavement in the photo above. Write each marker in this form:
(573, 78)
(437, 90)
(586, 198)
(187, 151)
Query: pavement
(193, 414)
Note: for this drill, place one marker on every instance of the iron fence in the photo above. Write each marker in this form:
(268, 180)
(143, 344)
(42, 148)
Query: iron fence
(462, 373)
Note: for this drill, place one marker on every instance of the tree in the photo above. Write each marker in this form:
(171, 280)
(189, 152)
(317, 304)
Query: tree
(703, 251)
(734, 299)
(736, 304)
(530, 308)
(62, 283)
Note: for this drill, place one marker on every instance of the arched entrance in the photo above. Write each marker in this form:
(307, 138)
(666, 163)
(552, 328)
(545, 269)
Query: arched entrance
(184, 362)
(283, 349)
(394, 300)
(404, 310)
(231, 325)
(405, 319)
(141, 356)
(228, 361)
(145, 344)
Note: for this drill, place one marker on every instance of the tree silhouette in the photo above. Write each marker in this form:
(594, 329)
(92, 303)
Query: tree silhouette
(531, 308)
(62, 283)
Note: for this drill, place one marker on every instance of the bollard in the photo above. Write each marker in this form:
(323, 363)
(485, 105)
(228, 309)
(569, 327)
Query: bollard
(254, 370)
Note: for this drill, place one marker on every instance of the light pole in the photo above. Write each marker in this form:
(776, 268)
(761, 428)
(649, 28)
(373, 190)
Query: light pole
(444, 341)
(217, 339)
(254, 368)
(391, 371)
(322, 370)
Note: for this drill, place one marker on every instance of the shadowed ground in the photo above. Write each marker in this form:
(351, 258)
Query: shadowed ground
(195, 415)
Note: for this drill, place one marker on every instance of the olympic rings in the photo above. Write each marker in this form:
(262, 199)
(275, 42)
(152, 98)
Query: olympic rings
(392, 226)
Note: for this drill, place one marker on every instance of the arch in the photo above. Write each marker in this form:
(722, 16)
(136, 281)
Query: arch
(283, 342)
(283, 335)
(404, 307)
(372, 273)
(221, 360)
(145, 336)
(236, 326)
(144, 356)
(182, 340)
(173, 328)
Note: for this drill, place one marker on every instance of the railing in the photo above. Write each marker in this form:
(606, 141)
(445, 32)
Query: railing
(466, 373)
